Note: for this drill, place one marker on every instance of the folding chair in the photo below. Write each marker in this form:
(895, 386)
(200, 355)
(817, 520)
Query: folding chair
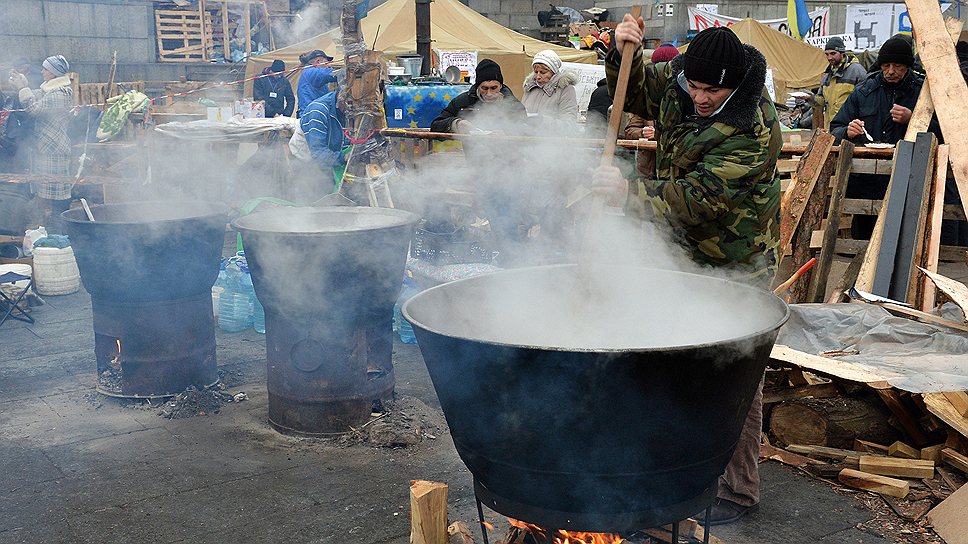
(13, 305)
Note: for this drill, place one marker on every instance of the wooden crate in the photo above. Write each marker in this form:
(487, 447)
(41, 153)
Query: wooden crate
(183, 36)
(97, 94)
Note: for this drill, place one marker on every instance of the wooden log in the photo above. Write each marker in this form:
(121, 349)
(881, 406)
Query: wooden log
(892, 466)
(818, 279)
(955, 459)
(829, 422)
(932, 453)
(428, 512)
(902, 450)
(874, 483)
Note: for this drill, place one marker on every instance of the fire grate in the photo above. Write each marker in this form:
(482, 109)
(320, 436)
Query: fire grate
(599, 522)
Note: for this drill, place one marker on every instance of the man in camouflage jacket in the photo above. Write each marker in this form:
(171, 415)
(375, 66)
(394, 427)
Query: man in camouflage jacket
(716, 182)
(716, 179)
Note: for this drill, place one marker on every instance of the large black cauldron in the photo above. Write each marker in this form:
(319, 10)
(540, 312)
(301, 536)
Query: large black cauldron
(149, 267)
(327, 278)
(602, 408)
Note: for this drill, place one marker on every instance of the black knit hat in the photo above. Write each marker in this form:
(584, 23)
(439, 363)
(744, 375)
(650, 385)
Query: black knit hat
(715, 57)
(835, 44)
(488, 70)
(896, 50)
(278, 65)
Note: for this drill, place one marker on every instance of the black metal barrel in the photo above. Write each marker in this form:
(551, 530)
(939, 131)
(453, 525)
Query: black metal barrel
(149, 268)
(328, 278)
(605, 406)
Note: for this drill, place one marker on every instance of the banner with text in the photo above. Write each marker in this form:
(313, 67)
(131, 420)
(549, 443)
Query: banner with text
(821, 41)
(588, 77)
(873, 24)
(701, 20)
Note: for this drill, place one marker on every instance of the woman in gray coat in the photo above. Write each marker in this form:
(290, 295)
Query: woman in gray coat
(549, 93)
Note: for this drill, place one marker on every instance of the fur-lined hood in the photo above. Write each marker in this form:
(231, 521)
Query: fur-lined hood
(563, 78)
(741, 107)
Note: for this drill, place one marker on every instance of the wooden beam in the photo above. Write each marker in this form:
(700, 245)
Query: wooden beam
(783, 394)
(226, 48)
(958, 400)
(938, 405)
(947, 84)
(823, 365)
(808, 171)
(874, 483)
(894, 204)
(932, 453)
(910, 246)
(818, 279)
(932, 236)
(428, 512)
(908, 421)
(892, 466)
(836, 454)
(865, 278)
(955, 459)
(955, 290)
(924, 317)
(864, 446)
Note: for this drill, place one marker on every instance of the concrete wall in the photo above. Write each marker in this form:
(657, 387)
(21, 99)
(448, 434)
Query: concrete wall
(84, 31)
(521, 15)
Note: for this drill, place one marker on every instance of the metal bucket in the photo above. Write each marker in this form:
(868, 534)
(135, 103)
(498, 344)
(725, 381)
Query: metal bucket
(605, 407)
(328, 278)
(411, 65)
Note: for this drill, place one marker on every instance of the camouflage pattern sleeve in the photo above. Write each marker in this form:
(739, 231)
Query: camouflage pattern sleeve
(647, 83)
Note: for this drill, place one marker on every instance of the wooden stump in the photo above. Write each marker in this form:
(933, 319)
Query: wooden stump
(830, 422)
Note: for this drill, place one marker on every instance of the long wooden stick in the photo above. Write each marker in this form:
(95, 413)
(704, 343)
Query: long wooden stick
(611, 137)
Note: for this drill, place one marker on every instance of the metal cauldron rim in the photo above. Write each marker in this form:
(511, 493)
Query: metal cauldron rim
(403, 218)
(213, 209)
(664, 349)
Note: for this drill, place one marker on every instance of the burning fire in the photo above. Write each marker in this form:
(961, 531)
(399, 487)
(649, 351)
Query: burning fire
(560, 536)
(116, 360)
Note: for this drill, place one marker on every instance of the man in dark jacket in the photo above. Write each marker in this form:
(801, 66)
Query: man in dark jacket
(879, 110)
(276, 90)
(489, 106)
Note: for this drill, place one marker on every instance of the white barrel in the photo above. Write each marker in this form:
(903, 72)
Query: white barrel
(55, 271)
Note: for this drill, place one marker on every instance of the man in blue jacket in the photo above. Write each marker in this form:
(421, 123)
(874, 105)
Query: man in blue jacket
(323, 124)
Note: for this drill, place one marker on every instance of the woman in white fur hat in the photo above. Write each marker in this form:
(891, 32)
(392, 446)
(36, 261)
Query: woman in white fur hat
(549, 92)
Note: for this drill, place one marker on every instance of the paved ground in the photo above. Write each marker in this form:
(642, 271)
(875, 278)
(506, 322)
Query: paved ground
(76, 467)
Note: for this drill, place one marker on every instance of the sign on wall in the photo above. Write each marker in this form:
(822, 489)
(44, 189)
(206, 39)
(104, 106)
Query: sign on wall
(588, 77)
(701, 20)
(821, 41)
(873, 24)
(466, 61)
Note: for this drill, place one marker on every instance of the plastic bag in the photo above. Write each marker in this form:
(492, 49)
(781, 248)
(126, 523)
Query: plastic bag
(298, 145)
(31, 236)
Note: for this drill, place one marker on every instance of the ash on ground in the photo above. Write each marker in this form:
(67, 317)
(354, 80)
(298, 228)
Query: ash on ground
(401, 423)
(198, 402)
(110, 380)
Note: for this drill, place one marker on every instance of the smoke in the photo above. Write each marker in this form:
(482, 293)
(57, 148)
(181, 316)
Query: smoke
(313, 19)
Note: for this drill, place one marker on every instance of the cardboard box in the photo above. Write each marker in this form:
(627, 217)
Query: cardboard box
(250, 109)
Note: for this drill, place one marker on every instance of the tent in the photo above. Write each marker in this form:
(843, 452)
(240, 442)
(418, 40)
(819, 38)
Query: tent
(796, 64)
(453, 27)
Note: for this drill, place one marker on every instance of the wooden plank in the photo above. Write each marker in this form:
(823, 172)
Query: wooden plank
(863, 206)
(783, 394)
(869, 447)
(810, 220)
(907, 420)
(910, 245)
(924, 110)
(874, 483)
(849, 278)
(808, 171)
(948, 519)
(932, 236)
(903, 451)
(824, 452)
(824, 365)
(955, 459)
(818, 279)
(955, 290)
(940, 406)
(894, 211)
(226, 49)
(892, 466)
(924, 317)
(958, 400)
(428, 512)
(865, 278)
(948, 89)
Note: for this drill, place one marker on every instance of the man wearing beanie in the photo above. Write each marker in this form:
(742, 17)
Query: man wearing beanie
(489, 105)
(843, 73)
(275, 90)
(878, 111)
(715, 184)
(50, 107)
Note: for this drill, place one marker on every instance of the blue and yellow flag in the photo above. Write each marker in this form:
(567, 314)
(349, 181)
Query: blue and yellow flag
(798, 18)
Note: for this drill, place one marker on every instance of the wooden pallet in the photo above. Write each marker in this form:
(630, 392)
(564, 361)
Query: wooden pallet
(183, 36)
(98, 93)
